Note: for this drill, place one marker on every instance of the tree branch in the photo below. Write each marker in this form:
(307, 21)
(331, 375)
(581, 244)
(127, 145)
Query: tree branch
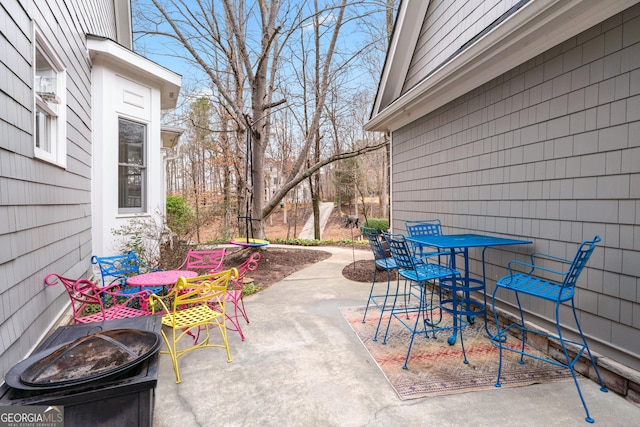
(293, 182)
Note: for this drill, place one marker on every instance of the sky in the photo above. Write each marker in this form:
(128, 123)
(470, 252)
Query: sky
(171, 55)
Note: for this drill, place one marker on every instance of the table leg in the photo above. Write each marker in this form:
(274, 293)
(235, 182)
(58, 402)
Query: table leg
(454, 297)
(463, 305)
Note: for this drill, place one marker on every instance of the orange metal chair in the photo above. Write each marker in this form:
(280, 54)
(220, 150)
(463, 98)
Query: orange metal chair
(92, 303)
(187, 309)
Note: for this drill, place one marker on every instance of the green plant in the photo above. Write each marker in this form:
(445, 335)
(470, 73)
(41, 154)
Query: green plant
(179, 215)
(380, 224)
(91, 309)
(142, 235)
(311, 242)
(250, 288)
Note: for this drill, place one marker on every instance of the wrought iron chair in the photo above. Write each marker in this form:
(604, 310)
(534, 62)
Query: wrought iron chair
(422, 275)
(383, 262)
(92, 303)
(187, 309)
(427, 227)
(118, 268)
(203, 261)
(557, 286)
(235, 293)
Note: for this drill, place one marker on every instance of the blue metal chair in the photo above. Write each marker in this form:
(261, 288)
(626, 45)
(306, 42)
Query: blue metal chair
(426, 227)
(557, 286)
(422, 274)
(117, 268)
(385, 263)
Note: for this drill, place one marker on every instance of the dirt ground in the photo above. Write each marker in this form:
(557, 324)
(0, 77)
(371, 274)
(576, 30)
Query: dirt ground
(335, 228)
(288, 261)
(278, 263)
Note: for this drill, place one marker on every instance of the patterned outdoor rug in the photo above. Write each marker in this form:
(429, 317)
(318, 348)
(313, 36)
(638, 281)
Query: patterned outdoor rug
(436, 368)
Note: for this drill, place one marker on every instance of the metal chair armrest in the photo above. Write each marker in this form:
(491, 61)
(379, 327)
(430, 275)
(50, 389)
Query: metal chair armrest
(533, 267)
(156, 299)
(543, 256)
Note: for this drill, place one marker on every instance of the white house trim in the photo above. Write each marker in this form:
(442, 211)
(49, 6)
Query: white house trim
(127, 86)
(406, 32)
(115, 54)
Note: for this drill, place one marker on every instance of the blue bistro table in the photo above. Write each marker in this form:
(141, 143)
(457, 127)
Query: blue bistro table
(460, 243)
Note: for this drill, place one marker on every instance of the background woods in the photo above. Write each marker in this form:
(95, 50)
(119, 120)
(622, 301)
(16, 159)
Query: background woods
(277, 92)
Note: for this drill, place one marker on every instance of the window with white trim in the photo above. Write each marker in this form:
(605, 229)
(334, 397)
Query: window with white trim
(50, 104)
(132, 169)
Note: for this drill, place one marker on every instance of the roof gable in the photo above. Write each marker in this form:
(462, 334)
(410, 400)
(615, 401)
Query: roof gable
(488, 48)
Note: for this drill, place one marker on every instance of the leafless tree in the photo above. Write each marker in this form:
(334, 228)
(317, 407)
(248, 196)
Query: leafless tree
(237, 47)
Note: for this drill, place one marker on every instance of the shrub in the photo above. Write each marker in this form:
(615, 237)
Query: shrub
(143, 235)
(380, 224)
(179, 215)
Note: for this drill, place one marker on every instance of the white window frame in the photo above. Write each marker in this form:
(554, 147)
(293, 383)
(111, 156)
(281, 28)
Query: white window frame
(54, 107)
(144, 187)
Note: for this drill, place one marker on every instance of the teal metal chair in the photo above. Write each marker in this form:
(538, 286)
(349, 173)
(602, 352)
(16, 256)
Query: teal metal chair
(421, 275)
(383, 262)
(426, 227)
(556, 286)
(118, 268)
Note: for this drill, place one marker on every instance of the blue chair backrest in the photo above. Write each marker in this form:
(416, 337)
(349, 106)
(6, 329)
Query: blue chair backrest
(117, 267)
(374, 242)
(400, 251)
(429, 227)
(579, 261)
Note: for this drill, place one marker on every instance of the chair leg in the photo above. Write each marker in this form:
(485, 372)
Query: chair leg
(603, 388)
(373, 284)
(242, 309)
(423, 308)
(501, 336)
(413, 334)
(571, 363)
(384, 305)
(235, 325)
(172, 351)
(498, 336)
(233, 319)
(393, 309)
(522, 328)
(223, 332)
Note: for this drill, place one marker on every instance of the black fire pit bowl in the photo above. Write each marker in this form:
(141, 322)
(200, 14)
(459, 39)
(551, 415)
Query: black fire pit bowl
(93, 357)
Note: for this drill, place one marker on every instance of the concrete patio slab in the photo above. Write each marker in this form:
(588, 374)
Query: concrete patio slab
(302, 365)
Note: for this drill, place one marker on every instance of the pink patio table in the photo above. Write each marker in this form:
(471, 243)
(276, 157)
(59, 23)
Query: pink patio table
(159, 278)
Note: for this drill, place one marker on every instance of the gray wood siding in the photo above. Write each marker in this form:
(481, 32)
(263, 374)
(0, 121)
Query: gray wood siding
(96, 17)
(45, 209)
(548, 151)
(450, 24)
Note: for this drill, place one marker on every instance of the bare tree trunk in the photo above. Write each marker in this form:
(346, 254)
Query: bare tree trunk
(215, 40)
(315, 188)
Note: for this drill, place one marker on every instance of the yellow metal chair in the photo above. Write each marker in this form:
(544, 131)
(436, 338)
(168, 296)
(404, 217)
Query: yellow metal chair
(187, 308)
